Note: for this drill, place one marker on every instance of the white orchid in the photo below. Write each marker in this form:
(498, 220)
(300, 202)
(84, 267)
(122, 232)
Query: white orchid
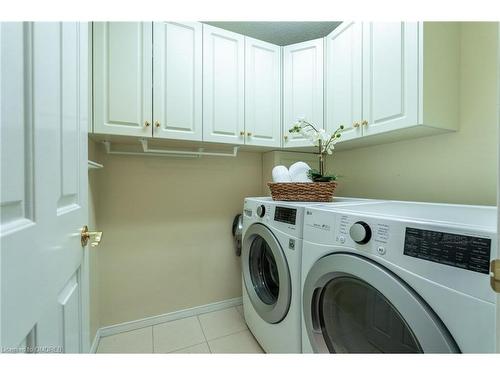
(319, 138)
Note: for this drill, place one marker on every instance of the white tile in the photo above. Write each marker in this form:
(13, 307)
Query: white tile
(240, 310)
(195, 349)
(178, 334)
(136, 341)
(241, 342)
(222, 323)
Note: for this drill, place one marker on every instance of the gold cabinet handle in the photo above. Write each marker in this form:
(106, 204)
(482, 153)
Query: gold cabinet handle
(249, 134)
(364, 123)
(242, 133)
(355, 124)
(286, 137)
(85, 235)
(146, 123)
(157, 124)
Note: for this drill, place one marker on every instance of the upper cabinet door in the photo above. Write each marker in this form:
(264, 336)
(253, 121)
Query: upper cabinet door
(390, 76)
(123, 78)
(262, 93)
(223, 86)
(343, 72)
(302, 88)
(177, 90)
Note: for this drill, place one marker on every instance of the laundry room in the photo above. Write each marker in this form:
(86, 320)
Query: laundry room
(249, 187)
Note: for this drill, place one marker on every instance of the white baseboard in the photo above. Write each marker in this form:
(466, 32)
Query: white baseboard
(163, 318)
(95, 343)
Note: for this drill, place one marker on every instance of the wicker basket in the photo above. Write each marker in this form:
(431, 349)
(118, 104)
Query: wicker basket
(302, 191)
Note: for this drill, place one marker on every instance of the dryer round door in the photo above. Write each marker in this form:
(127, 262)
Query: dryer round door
(355, 305)
(265, 273)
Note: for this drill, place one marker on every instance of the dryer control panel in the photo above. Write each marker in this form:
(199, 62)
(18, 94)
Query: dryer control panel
(451, 255)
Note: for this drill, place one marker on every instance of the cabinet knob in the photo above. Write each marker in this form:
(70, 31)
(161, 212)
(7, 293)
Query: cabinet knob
(146, 123)
(286, 137)
(249, 134)
(364, 123)
(242, 133)
(355, 124)
(157, 124)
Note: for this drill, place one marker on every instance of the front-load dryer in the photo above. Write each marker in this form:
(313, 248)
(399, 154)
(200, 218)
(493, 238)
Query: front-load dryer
(399, 277)
(271, 263)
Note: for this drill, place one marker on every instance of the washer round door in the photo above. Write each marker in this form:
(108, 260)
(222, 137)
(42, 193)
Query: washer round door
(354, 305)
(265, 273)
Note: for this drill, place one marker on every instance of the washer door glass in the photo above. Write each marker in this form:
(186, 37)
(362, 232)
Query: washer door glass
(357, 318)
(264, 271)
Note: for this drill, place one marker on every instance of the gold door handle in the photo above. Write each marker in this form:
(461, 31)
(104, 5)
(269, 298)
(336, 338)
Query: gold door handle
(242, 133)
(157, 124)
(355, 125)
(495, 275)
(146, 123)
(364, 123)
(249, 134)
(85, 235)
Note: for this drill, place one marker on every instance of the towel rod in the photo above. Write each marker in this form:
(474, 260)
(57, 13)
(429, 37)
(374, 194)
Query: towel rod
(200, 151)
(146, 151)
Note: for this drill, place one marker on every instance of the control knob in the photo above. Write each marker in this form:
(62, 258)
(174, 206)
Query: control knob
(360, 232)
(261, 210)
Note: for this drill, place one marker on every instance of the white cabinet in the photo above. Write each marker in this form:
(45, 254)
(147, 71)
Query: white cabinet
(392, 81)
(223, 86)
(302, 88)
(343, 91)
(122, 56)
(262, 93)
(177, 80)
(390, 76)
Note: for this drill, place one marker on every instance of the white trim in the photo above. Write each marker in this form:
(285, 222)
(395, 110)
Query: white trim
(95, 343)
(163, 318)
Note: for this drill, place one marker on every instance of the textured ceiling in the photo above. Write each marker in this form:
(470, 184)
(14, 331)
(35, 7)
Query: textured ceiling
(280, 33)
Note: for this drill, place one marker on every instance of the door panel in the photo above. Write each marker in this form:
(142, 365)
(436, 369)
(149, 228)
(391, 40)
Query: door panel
(122, 77)
(262, 93)
(390, 76)
(343, 80)
(223, 86)
(17, 200)
(177, 80)
(41, 247)
(302, 88)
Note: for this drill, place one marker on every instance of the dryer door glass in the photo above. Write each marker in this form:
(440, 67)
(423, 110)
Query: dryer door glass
(354, 305)
(263, 271)
(357, 318)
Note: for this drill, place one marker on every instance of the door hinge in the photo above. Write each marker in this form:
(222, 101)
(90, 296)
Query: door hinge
(495, 275)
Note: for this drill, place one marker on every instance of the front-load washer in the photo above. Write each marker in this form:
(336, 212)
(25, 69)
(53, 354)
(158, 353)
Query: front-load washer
(399, 277)
(271, 262)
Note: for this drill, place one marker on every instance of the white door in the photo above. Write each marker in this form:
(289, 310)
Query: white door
(177, 69)
(302, 88)
(390, 76)
(122, 56)
(262, 93)
(223, 86)
(44, 124)
(343, 92)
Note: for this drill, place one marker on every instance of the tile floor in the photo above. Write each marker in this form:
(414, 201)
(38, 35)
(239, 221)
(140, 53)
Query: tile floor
(222, 331)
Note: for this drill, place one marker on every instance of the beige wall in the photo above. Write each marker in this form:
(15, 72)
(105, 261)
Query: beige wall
(167, 242)
(458, 167)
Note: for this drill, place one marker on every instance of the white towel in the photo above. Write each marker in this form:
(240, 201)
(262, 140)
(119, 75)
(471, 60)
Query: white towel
(280, 174)
(298, 172)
